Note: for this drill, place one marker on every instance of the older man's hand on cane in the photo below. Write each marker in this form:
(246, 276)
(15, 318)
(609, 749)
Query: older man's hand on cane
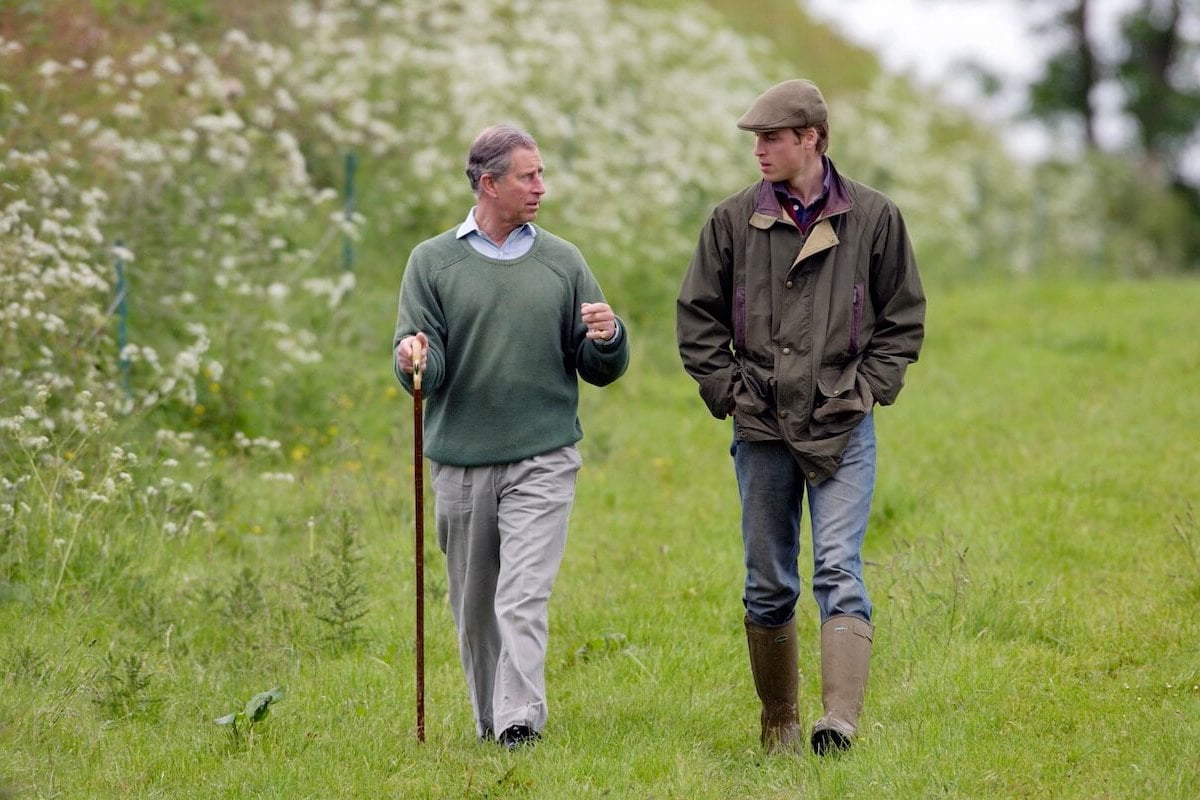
(406, 348)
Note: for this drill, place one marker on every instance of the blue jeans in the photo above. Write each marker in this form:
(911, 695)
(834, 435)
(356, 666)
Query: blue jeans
(771, 485)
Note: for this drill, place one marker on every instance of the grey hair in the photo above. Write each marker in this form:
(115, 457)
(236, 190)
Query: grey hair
(491, 152)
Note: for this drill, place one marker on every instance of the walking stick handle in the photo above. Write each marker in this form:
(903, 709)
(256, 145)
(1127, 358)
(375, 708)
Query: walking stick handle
(417, 352)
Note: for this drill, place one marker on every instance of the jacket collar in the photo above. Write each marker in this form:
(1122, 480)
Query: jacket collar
(767, 210)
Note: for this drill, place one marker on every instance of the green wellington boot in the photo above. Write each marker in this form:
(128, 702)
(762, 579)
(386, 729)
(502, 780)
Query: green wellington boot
(845, 661)
(777, 681)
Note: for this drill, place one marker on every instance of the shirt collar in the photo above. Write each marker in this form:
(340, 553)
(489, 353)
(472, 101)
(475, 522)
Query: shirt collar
(768, 210)
(469, 226)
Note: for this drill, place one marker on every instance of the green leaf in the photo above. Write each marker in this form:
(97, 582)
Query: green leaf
(260, 704)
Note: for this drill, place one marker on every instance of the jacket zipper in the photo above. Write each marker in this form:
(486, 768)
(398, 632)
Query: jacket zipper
(856, 319)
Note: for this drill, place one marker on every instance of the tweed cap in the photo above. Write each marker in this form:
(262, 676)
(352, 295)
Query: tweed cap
(792, 104)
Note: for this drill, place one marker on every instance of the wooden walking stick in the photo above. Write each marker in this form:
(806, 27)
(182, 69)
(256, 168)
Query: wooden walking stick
(419, 538)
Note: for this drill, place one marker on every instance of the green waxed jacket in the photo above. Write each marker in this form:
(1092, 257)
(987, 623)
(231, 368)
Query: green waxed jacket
(800, 336)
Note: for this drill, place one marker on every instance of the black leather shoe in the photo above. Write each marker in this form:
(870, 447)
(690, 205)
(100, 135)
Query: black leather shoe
(518, 736)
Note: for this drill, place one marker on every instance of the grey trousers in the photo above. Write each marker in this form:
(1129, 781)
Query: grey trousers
(503, 528)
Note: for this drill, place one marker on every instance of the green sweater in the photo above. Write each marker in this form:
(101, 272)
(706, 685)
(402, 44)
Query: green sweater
(507, 346)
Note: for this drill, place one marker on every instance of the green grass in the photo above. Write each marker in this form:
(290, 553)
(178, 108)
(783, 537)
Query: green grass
(1033, 559)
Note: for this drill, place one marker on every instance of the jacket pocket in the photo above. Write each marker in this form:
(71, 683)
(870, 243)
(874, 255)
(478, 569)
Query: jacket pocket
(843, 399)
(717, 391)
(753, 388)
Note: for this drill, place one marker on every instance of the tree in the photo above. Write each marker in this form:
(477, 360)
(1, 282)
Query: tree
(1160, 74)
(1157, 69)
(1071, 76)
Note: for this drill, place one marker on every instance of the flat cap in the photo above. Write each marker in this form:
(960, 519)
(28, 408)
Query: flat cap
(792, 104)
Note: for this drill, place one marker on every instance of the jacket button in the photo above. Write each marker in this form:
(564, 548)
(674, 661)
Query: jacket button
(783, 414)
(788, 285)
(787, 350)
(812, 474)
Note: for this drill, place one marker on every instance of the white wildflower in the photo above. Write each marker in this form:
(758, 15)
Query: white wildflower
(237, 38)
(285, 101)
(146, 79)
(127, 110)
(50, 68)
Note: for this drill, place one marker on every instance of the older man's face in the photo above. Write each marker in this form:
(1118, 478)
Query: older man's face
(519, 191)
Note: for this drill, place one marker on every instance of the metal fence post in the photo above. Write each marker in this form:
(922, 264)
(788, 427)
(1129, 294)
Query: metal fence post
(122, 308)
(348, 212)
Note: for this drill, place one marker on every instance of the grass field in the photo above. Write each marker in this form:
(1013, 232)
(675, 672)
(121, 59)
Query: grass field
(218, 508)
(1034, 559)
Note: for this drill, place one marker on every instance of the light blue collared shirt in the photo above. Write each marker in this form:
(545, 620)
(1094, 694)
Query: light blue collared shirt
(518, 243)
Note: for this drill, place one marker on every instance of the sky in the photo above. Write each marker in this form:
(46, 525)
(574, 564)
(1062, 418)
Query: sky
(929, 39)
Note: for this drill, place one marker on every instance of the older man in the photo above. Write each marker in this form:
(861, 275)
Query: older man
(508, 317)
